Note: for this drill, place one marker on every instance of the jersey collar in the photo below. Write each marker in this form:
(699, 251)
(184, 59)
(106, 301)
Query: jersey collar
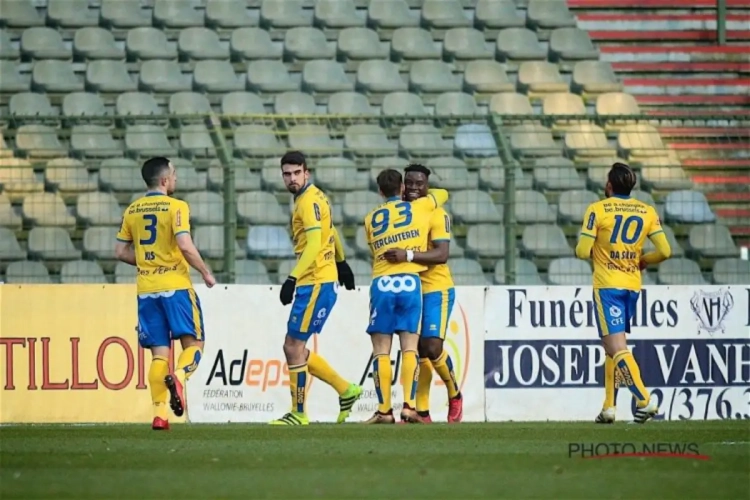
(621, 196)
(302, 191)
(154, 193)
(393, 198)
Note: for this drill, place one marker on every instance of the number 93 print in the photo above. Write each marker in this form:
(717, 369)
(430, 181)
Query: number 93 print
(701, 403)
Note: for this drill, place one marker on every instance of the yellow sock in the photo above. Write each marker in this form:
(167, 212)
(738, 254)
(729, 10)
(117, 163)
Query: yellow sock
(319, 368)
(188, 362)
(444, 368)
(631, 376)
(156, 374)
(423, 384)
(611, 383)
(381, 374)
(410, 376)
(298, 379)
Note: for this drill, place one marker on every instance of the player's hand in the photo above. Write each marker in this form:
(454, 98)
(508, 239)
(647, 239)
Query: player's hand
(287, 290)
(395, 255)
(346, 276)
(642, 265)
(209, 280)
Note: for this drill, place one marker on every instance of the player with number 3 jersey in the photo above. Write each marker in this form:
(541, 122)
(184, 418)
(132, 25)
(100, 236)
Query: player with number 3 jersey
(396, 292)
(613, 234)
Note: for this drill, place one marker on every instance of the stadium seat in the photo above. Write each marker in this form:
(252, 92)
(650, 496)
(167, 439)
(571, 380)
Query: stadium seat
(81, 271)
(475, 140)
(456, 104)
(20, 14)
(465, 45)
(519, 44)
(444, 14)
(474, 207)
(360, 243)
(314, 140)
(571, 44)
(46, 209)
(526, 273)
(96, 43)
(70, 176)
(7, 49)
(251, 272)
(413, 44)
(546, 241)
(29, 105)
(25, 271)
(284, 14)
(71, 14)
(124, 273)
(253, 43)
(731, 272)
(148, 140)
(189, 179)
(11, 79)
(486, 240)
(294, 103)
(210, 242)
(269, 76)
(569, 271)
(584, 141)
(360, 44)
(539, 78)
(10, 249)
(492, 175)
(227, 14)
(52, 243)
(688, 207)
(257, 141)
(93, 141)
(357, 204)
(680, 271)
(712, 241)
(244, 178)
(389, 15)
(8, 216)
(486, 77)
(321, 76)
(573, 204)
(55, 76)
(260, 207)
(664, 173)
(467, 272)
(450, 173)
(493, 15)
(39, 141)
(191, 107)
(98, 242)
(109, 76)
(510, 103)
(531, 207)
(201, 43)
(43, 43)
(206, 207)
(337, 14)
(124, 15)
(433, 77)
(595, 78)
(349, 103)
(340, 174)
(533, 140)
(99, 209)
(236, 104)
(555, 173)
(195, 141)
(137, 104)
(5, 152)
(88, 105)
(640, 140)
(306, 43)
(380, 77)
(549, 14)
(368, 141)
(362, 271)
(422, 140)
(563, 103)
(269, 242)
(402, 104)
(217, 77)
(177, 14)
(146, 43)
(17, 178)
(674, 245)
(163, 76)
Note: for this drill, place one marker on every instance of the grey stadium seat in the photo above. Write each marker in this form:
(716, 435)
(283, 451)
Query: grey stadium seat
(253, 43)
(349, 103)
(31, 105)
(294, 103)
(360, 243)
(337, 14)
(99, 209)
(573, 204)
(357, 204)
(225, 14)
(388, 15)
(177, 14)
(444, 14)
(20, 14)
(545, 240)
(510, 103)
(368, 141)
(148, 140)
(47, 209)
(81, 271)
(260, 207)
(149, 43)
(43, 43)
(284, 14)
(433, 77)
(664, 173)
(494, 15)
(119, 14)
(325, 76)
(191, 107)
(413, 44)
(5, 152)
(109, 76)
(52, 243)
(201, 43)
(584, 141)
(592, 78)
(422, 140)
(55, 76)
(340, 174)
(549, 14)
(189, 178)
(79, 104)
(539, 78)
(567, 44)
(93, 141)
(674, 245)
(569, 271)
(244, 178)
(210, 242)
(486, 240)
(98, 242)
(258, 141)
(467, 272)
(70, 175)
(269, 241)
(96, 43)
(519, 44)
(17, 178)
(236, 104)
(124, 273)
(251, 272)
(557, 173)
(120, 174)
(563, 103)
(136, 104)
(11, 79)
(380, 77)
(39, 141)
(305, 43)
(456, 104)
(25, 271)
(466, 44)
(314, 140)
(492, 175)
(206, 207)
(163, 76)
(362, 271)
(731, 272)
(713, 241)
(688, 207)
(8, 216)
(10, 249)
(269, 76)
(680, 271)
(486, 77)
(217, 77)
(641, 140)
(615, 103)
(451, 173)
(526, 273)
(360, 44)
(532, 207)
(474, 207)
(531, 139)
(7, 49)
(402, 104)
(475, 140)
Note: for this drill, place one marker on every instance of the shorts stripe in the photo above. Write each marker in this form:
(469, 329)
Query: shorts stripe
(603, 326)
(310, 309)
(196, 315)
(444, 303)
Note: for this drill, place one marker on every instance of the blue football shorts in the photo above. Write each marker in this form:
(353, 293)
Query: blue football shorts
(163, 316)
(436, 312)
(395, 304)
(311, 307)
(614, 310)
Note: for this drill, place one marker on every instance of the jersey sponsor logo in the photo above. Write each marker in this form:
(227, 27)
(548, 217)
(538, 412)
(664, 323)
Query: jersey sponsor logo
(616, 316)
(590, 223)
(397, 284)
(711, 309)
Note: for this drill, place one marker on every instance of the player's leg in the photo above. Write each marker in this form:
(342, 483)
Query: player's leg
(424, 382)
(153, 334)
(319, 368)
(441, 361)
(381, 328)
(185, 317)
(611, 384)
(408, 318)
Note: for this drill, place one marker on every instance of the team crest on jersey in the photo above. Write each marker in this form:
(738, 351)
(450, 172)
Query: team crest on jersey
(711, 309)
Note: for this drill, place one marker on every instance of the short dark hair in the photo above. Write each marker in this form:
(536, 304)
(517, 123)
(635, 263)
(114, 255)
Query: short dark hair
(622, 178)
(389, 182)
(294, 158)
(153, 169)
(419, 168)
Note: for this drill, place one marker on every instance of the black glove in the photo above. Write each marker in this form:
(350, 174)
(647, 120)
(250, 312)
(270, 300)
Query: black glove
(346, 276)
(287, 290)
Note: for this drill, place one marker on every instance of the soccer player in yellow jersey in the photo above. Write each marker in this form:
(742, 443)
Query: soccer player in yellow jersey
(321, 266)
(155, 237)
(613, 233)
(438, 297)
(396, 291)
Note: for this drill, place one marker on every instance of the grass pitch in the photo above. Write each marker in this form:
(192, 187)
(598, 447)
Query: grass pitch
(504, 460)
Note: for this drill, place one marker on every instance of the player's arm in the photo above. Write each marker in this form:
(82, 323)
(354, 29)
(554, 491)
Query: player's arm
(124, 250)
(440, 236)
(588, 234)
(662, 250)
(435, 198)
(311, 223)
(181, 229)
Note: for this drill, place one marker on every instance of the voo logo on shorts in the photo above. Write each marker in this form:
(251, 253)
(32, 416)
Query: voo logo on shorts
(397, 284)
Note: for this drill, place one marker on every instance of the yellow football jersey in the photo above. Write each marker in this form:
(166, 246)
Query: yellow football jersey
(401, 224)
(619, 226)
(151, 223)
(438, 277)
(312, 212)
